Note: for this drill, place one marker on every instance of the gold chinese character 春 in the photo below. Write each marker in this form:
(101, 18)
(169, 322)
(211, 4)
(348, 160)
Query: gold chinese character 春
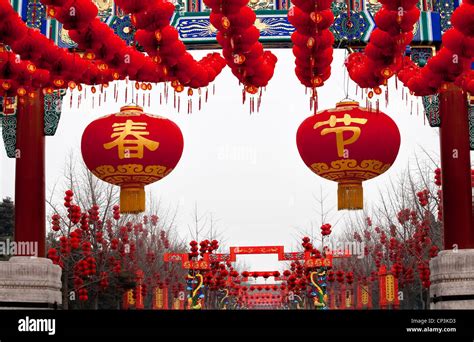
(339, 131)
(130, 139)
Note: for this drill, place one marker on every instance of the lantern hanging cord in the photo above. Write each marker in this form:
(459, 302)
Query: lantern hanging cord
(133, 93)
(346, 80)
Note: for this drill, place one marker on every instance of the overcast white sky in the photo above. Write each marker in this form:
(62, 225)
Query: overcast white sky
(243, 168)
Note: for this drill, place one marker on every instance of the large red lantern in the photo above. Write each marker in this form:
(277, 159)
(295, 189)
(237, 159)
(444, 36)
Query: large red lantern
(131, 149)
(348, 144)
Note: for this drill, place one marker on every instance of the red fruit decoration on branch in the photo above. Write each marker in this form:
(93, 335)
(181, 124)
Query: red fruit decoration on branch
(397, 269)
(94, 264)
(384, 53)
(437, 176)
(403, 216)
(423, 197)
(74, 213)
(193, 249)
(325, 229)
(238, 36)
(312, 42)
(53, 255)
(357, 237)
(131, 149)
(306, 244)
(331, 278)
(424, 273)
(350, 277)
(55, 222)
(340, 276)
(348, 145)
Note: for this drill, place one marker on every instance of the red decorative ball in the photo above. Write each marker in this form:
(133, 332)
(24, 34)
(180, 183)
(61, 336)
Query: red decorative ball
(348, 144)
(132, 149)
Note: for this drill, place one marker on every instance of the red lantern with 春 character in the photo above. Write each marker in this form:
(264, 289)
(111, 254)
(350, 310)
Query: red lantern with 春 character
(131, 149)
(348, 144)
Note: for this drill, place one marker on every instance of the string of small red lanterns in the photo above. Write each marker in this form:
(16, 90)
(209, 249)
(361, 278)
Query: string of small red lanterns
(384, 53)
(49, 66)
(242, 51)
(263, 274)
(313, 42)
(106, 56)
(100, 43)
(18, 76)
(453, 61)
(160, 40)
(169, 60)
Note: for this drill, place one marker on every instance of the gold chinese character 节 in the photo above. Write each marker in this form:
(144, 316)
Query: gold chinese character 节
(339, 131)
(130, 139)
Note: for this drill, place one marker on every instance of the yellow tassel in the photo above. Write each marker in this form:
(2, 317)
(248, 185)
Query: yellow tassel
(132, 199)
(350, 196)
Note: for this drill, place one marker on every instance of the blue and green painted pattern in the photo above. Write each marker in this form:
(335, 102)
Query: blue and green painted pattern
(9, 134)
(192, 21)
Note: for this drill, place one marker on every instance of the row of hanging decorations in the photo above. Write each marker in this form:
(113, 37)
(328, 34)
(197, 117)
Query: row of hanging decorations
(36, 62)
(168, 54)
(312, 43)
(139, 93)
(243, 53)
(384, 56)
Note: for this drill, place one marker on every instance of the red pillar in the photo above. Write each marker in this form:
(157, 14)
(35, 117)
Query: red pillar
(455, 168)
(30, 201)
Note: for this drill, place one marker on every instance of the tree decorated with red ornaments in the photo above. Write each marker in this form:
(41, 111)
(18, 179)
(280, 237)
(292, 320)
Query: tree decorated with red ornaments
(101, 253)
(403, 234)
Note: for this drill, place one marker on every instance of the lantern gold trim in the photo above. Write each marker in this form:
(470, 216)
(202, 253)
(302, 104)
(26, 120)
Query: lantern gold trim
(350, 174)
(132, 195)
(137, 172)
(350, 168)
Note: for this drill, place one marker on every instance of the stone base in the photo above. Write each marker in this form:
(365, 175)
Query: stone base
(452, 280)
(30, 283)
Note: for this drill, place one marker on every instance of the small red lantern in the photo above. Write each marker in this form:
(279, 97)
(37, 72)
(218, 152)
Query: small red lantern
(131, 149)
(348, 144)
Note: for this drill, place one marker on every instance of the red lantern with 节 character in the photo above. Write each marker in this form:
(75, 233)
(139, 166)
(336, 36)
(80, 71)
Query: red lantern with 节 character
(348, 144)
(131, 149)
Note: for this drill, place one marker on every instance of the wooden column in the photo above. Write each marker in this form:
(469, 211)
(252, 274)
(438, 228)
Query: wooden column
(30, 201)
(455, 168)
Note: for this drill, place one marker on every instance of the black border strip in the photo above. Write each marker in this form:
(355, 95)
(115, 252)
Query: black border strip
(245, 323)
(54, 306)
